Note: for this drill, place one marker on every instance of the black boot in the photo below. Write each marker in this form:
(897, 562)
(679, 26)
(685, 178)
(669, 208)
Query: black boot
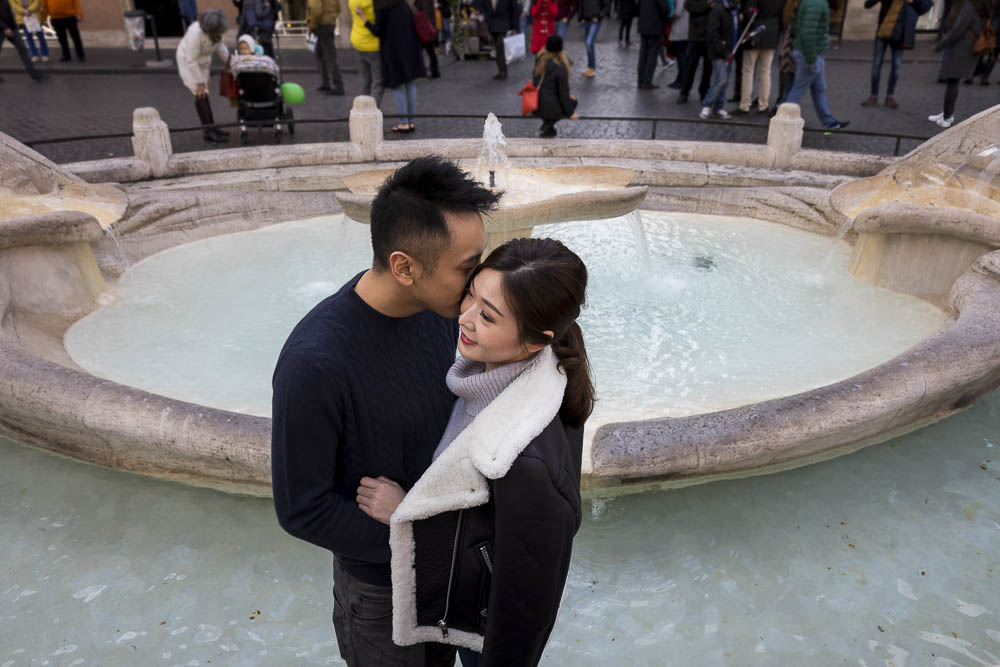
(205, 115)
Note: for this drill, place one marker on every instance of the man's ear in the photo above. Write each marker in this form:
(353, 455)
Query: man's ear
(404, 268)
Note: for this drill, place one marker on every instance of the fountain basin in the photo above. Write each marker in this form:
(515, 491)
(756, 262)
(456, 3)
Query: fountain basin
(47, 401)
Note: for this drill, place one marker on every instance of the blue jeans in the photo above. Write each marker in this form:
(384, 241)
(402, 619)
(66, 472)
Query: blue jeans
(812, 79)
(715, 98)
(897, 61)
(590, 29)
(31, 42)
(445, 29)
(406, 101)
(561, 28)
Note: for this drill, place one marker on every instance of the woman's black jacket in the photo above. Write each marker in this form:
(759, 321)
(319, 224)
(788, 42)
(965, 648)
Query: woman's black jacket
(554, 101)
(481, 545)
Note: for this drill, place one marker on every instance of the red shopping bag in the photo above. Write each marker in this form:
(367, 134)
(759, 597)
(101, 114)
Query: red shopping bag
(529, 99)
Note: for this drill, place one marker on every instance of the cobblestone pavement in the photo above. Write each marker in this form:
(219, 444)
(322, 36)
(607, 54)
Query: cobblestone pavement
(97, 97)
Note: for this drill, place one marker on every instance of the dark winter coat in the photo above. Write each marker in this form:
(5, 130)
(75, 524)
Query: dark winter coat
(481, 544)
(653, 16)
(594, 9)
(812, 29)
(627, 9)
(399, 48)
(721, 33)
(554, 101)
(961, 62)
(502, 18)
(7, 21)
(904, 32)
(769, 16)
(698, 11)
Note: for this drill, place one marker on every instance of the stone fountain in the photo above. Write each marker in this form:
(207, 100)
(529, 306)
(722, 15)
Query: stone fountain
(531, 196)
(57, 263)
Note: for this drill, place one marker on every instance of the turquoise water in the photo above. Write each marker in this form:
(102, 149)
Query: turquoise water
(888, 556)
(724, 312)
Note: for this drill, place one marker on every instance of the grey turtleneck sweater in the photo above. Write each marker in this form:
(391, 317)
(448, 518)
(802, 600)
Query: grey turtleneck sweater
(476, 388)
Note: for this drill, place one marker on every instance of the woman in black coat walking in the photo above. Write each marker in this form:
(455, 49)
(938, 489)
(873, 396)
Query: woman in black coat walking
(400, 55)
(552, 80)
(961, 62)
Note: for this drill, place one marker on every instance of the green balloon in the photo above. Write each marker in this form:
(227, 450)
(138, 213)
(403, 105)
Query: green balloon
(293, 93)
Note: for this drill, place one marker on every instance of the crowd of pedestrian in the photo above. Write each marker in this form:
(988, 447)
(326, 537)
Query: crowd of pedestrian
(729, 47)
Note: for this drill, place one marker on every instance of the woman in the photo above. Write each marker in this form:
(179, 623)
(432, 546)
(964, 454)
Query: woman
(627, 11)
(551, 77)
(481, 544)
(399, 54)
(29, 17)
(543, 15)
(194, 56)
(961, 62)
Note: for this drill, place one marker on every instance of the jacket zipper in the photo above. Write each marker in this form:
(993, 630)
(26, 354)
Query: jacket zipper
(443, 624)
(484, 552)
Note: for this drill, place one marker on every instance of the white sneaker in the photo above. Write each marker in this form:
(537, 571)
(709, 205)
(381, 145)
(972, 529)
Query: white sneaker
(34, 59)
(945, 122)
(45, 59)
(705, 113)
(723, 114)
(936, 117)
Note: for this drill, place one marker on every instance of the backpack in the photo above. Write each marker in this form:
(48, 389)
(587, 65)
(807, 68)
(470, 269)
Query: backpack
(986, 42)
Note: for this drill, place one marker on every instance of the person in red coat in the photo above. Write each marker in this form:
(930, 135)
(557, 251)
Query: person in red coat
(544, 13)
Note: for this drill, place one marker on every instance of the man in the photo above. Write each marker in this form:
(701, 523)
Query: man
(502, 17)
(897, 29)
(8, 30)
(760, 51)
(697, 50)
(812, 38)
(359, 392)
(653, 17)
(321, 18)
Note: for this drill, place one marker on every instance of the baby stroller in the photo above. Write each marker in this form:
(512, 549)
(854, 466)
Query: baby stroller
(260, 101)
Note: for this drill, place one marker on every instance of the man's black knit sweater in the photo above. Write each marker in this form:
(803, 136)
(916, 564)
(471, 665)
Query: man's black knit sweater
(356, 393)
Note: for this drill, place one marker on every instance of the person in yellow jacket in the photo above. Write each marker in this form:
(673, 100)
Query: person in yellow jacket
(366, 44)
(65, 15)
(321, 18)
(29, 17)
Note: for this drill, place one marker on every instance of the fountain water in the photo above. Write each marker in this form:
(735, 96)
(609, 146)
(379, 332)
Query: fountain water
(492, 158)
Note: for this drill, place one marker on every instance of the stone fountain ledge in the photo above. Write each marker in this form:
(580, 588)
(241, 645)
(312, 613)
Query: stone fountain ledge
(47, 402)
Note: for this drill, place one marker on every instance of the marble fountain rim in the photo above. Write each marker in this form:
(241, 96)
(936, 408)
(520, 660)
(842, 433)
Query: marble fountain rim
(70, 412)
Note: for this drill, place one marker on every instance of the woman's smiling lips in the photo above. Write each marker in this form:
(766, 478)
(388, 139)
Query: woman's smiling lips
(465, 339)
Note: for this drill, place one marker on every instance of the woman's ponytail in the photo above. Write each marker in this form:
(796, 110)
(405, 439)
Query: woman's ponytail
(578, 401)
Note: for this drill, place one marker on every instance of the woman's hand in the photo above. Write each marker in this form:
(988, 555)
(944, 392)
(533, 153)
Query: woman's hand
(200, 90)
(360, 12)
(379, 497)
(575, 116)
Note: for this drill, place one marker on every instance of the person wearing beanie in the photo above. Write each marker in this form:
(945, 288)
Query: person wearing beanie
(551, 77)
(194, 57)
(65, 15)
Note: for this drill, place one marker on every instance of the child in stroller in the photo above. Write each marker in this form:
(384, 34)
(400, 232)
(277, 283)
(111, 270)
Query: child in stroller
(259, 87)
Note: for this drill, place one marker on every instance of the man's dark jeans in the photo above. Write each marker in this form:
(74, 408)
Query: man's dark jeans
(501, 54)
(897, 62)
(326, 54)
(697, 51)
(362, 619)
